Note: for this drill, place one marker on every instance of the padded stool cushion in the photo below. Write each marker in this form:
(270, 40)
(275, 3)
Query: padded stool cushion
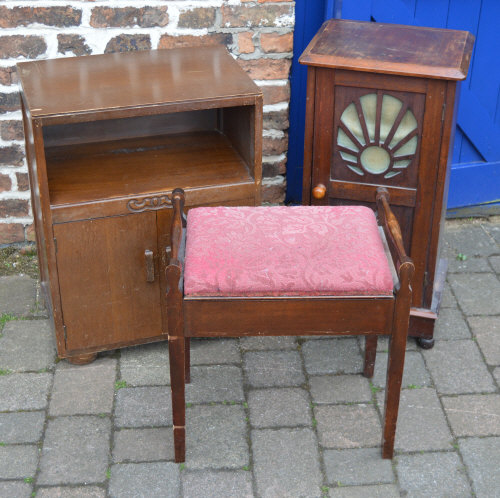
(285, 251)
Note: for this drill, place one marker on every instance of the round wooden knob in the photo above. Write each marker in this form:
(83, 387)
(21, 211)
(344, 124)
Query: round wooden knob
(319, 191)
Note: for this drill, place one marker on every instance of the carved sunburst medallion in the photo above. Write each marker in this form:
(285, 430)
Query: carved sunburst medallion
(377, 134)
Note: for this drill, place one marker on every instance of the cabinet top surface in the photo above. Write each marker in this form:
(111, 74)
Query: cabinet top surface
(128, 80)
(391, 49)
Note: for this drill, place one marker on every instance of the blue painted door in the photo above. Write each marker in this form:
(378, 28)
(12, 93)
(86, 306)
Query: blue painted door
(475, 176)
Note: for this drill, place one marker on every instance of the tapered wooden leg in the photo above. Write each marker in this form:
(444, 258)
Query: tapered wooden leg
(370, 355)
(187, 360)
(177, 354)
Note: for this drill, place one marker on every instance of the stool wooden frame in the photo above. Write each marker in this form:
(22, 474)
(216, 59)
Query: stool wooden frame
(219, 316)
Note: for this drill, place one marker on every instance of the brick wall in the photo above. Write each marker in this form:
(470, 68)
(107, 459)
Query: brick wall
(258, 33)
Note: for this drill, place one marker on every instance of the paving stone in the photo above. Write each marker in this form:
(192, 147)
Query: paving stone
(143, 445)
(471, 240)
(473, 415)
(143, 407)
(21, 427)
(223, 484)
(486, 329)
(17, 295)
(340, 389)
(83, 389)
(451, 325)
(421, 422)
(18, 462)
(75, 450)
(414, 373)
(381, 491)
(446, 361)
(159, 479)
(432, 474)
(146, 365)
(15, 489)
(216, 437)
(214, 351)
(357, 466)
(25, 391)
(286, 462)
(474, 264)
(264, 343)
(215, 383)
(383, 344)
(492, 227)
(477, 293)
(284, 407)
(350, 426)
(448, 299)
(481, 457)
(495, 263)
(332, 356)
(273, 368)
(496, 374)
(27, 345)
(67, 492)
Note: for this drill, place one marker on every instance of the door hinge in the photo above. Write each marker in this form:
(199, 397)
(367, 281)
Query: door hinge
(443, 112)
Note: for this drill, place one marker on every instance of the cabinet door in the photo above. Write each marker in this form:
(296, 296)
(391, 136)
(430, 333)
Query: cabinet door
(108, 296)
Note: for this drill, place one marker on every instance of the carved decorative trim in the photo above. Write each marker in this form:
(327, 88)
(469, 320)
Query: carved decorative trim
(149, 203)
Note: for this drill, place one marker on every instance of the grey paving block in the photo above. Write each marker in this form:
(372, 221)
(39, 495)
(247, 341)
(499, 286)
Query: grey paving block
(448, 299)
(214, 351)
(283, 407)
(18, 462)
(83, 389)
(473, 264)
(273, 368)
(27, 345)
(17, 295)
(152, 480)
(380, 491)
(471, 240)
(356, 467)
(146, 365)
(340, 389)
(143, 445)
(215, 383)
(383, 344)
(486, 329)
(432, 474)
(15, 489)
(481, 457)
(495, 263)
(143, 407)
(477, 293)
(332, 356)
(451, 325)
(211, 484)
(24, 391)
(216, 437)
(446, 362)
(492, 227)
(414, 374)
(75, 450)
(286, 462)
(266, 343)
(348, 426)
(421, 422)
(21, 427)
(496, 374)
(473, 415)
(71, 492)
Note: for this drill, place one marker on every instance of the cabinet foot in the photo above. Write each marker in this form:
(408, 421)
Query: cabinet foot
(425, 343)
(82, 359)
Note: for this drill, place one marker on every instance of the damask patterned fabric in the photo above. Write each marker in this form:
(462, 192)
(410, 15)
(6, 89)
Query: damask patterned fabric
(289, 251)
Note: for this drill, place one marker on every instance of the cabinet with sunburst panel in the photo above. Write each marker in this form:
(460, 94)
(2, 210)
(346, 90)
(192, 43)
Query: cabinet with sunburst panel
(380, 112)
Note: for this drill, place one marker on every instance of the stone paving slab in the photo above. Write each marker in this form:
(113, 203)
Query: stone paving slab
(273, 368)
(15, 489)
(380, 491)
(214, 351)
(471, 240)
(477, 293)
(143, 445)
(495, 263)
(24, 391)
(266, 343)
(486, 329)
(215, 383)
(17, 295)
(332, 356)
(451, 325)
(21, 427)
(18, 462)
(340, 389)
(222, 484)
(73, 492)
(448, 299)
(414, 374)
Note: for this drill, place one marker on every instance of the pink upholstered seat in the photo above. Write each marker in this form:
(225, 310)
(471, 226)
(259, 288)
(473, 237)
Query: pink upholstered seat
(289, 251)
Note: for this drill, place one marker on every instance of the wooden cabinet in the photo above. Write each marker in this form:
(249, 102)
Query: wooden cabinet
(381, 107)
(108, 137)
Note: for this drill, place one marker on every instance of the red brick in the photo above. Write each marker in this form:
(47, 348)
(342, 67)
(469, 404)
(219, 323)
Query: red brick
(242, 16)
(197, 18)
(273, 168)
(274, 42)
(276, 120)
(145, 17)
(49, 16)
(23, 182)
(274, 193)
(14, 207)
(274, 146)
(11, 232)
(21, 46)
(127, 43)
(8, 76)
(169, 41)
(5, 183)
(11, 155)
(245, 43)
(11, 130)
(9, 102)
(266, 69)
(72, 43)
(275, 94)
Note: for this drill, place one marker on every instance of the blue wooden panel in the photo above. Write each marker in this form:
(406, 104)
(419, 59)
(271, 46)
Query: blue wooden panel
(432, 13)
(360, 10)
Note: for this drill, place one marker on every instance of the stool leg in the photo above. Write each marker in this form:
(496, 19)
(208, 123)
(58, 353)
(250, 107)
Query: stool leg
(177, 354)
(187, 360)
(370, 355)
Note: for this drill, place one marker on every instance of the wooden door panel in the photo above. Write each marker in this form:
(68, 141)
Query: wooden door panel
(106, 298)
